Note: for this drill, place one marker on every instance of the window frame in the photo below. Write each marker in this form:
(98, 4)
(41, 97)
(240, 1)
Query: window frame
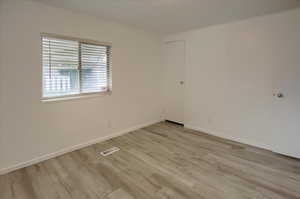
(79, 95)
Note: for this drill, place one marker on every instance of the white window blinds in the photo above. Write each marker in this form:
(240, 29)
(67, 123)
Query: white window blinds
(94, 70)
(74, 67)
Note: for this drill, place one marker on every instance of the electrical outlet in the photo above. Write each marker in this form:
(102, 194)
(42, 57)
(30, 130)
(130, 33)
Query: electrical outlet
(209, 120)
(109, 125)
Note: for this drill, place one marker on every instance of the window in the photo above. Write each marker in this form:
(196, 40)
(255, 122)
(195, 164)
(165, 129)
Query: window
(74, 67)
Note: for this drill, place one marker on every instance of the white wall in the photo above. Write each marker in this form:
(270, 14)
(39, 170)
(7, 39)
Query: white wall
(31, 128)
(232, 71)
(1, 112)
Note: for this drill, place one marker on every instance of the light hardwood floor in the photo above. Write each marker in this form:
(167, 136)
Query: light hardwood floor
(160, 161)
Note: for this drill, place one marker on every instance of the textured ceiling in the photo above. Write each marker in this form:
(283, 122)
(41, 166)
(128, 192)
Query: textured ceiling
(172, 16)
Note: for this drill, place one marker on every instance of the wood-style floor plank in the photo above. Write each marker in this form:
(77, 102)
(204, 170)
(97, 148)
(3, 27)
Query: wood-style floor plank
(159, 162)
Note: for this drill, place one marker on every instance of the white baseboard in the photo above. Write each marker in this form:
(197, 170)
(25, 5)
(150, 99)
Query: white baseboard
(73, 148)
(231, 137)
(246, 141)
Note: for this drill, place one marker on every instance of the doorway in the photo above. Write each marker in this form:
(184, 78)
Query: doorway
(174, 61)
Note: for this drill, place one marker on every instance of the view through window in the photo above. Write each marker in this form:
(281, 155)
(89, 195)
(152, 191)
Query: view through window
(74, 67)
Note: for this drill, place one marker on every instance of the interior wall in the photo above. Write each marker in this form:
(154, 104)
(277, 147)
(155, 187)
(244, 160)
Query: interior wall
(32, 128)
(232, 71)
(1, 112)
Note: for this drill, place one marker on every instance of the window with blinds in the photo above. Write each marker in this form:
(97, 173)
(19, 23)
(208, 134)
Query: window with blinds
(74, 67)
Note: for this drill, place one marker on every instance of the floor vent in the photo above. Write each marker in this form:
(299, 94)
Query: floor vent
(110, 151)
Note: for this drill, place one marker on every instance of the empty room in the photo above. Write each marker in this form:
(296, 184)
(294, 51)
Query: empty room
(149, 99)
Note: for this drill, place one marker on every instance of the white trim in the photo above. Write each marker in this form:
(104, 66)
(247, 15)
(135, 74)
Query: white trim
(76, 97)
(230, 137)
(245, 141)
(73, 148)
(86, 41)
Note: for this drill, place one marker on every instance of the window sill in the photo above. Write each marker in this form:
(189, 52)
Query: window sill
(75, 97)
